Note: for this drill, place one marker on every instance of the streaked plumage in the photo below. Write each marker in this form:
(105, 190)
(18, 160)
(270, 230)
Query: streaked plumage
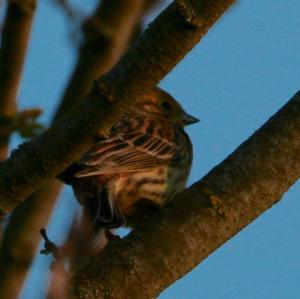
(143, 163)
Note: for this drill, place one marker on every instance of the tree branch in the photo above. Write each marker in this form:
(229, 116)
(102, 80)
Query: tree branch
(162, 46)
(202, 218)
(16, 32)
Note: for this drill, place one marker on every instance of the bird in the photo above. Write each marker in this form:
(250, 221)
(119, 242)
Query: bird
(144, 161)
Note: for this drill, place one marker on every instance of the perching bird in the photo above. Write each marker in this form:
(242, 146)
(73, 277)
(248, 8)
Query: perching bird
(143, 163)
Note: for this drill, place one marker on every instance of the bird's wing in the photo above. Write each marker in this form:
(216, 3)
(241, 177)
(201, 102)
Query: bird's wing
(127, 152)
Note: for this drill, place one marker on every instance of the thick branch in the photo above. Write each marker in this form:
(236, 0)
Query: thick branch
(202, 218)
(162, 46)
(16, 32)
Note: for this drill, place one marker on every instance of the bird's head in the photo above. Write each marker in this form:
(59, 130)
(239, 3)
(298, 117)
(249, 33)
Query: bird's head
(160, 104)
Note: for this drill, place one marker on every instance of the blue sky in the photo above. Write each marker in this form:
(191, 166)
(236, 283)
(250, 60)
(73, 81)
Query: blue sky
(243, 71)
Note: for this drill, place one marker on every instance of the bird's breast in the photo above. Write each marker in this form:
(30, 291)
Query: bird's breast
(140, 194)
(132, 187)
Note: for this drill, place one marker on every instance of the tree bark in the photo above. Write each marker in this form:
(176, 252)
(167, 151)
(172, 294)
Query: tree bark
(16, 33)
(162, 46)
(201, 219)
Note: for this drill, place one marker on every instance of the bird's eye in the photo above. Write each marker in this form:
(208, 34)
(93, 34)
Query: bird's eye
(166, 105)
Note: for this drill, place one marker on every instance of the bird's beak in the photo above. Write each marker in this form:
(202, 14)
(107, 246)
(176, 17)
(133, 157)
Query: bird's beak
(189, 119)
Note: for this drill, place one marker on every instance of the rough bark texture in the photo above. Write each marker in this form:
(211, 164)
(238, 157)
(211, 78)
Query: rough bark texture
(202, 218)
(169, 38)
(95, 58)
(16, 32)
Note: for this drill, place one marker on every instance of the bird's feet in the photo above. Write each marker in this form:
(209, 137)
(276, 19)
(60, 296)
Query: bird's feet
(51, 248)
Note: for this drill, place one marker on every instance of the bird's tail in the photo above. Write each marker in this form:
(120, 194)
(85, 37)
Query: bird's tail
(100, 214)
